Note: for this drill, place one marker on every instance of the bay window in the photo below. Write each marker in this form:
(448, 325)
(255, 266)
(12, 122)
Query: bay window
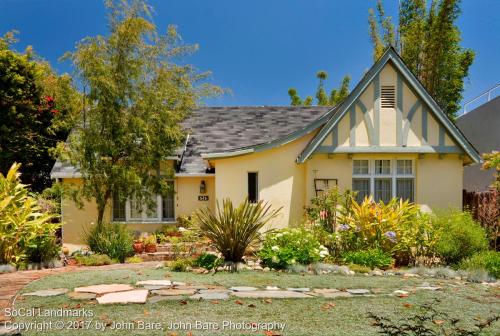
(384, 179)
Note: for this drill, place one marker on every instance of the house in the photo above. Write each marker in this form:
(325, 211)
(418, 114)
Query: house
(387, 139)
(482, 127)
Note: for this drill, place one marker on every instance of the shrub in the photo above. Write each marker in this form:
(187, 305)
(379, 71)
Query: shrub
(459, 236)
(180, 265)
(24, 227)
(206, 260)
(133, 260)
(359, 268)
(112, 239)
(487, 260)
(371, 258)
(234, 229)
(291, 246)
(94, 260)
(328, 209)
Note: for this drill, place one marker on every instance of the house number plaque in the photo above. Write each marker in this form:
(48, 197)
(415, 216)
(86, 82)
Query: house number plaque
(203, 198)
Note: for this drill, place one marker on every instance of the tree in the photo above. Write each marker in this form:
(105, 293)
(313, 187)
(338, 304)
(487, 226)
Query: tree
(136, 99)
(428, 40)
(322, 99)
(35, 109)
(492, 161)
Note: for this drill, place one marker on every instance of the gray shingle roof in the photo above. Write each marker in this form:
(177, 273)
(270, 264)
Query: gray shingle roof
(220, 129)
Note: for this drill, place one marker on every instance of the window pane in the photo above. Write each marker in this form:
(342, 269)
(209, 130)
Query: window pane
(362, 187)
(382, 167)
(168, 206)
(404, 167)
(404, 189)
(360, 167)
(135, 209)
(152, 207)
(253, 187)
(383, 190)
(118, 208)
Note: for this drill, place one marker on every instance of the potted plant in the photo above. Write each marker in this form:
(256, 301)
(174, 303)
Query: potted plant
(150, 244)
(138, 246)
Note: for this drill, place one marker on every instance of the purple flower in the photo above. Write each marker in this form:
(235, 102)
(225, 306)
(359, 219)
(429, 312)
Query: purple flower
(391, 235)
(344, 227)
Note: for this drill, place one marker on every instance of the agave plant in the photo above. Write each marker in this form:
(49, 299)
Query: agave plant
(234, 229)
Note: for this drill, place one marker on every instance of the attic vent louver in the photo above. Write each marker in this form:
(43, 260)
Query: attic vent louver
(388, 96)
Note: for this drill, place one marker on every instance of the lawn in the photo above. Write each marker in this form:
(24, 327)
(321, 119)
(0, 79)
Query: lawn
(301, 316)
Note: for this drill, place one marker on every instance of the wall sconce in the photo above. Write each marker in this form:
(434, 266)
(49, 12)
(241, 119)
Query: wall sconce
(203, 187)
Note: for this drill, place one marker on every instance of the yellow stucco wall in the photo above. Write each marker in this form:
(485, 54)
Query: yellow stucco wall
(280, 181)
(187, 189)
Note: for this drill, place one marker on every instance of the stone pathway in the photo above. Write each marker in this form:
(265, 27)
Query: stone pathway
(11, 283)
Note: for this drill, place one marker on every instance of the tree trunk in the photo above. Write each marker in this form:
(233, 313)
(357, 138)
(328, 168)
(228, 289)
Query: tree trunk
(101, 207)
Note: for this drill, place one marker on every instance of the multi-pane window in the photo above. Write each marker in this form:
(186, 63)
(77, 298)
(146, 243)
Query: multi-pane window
(253, 187)
(384, 179)
(155, 209)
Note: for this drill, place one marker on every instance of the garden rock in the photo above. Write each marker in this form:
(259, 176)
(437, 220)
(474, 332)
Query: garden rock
(210, 295)
(81, 296)
(325, 290)
(103, 289)
(400, 292)
(300, 290)
(48, 292)
(243, 289)
(432, 288)
(338, 294)
(272, 288)
(376, 272)
(6, 268)
(358, 291)
(159, 298)
(269, 294)
(154, 283)
(133, 296)
(174, 292)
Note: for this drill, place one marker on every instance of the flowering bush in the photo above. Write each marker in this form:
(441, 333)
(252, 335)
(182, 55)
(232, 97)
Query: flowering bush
(291, 246)
(328, 209)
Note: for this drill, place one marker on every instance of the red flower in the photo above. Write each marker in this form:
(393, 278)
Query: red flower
(54, 111)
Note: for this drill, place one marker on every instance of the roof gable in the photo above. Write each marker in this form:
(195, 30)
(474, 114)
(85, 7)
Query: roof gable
(424, 101)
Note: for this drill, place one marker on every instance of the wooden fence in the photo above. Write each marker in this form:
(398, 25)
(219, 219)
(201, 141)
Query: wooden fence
(485, 208)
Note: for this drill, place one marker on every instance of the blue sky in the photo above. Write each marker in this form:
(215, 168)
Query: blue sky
(257, 48)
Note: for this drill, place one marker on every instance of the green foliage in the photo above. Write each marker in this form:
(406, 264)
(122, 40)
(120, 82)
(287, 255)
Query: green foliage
(427, 320)
(459, 236)
(133, 260)
(150, 240)
(233, 230)
(428, 40)
(207, 260)
(492, 161)
(112, 239)
(136, 99)
(322, 98)
(25, 231)
(180, 265)
(359, 268)
(288, 247)
(487, 260)
(36, 110)
(373, 258)
(93, 260)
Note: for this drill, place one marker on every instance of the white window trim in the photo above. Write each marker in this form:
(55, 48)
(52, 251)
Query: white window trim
(393, 175)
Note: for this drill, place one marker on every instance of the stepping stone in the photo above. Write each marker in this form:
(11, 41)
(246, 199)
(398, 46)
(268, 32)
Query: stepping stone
(159, 298)
(400, 292)
(154, 283)
(243, 289)
(432, 288)
(4, 331)
(358, 291)
(81, 296)
(196, 287)
(178, 283)
(174, 292)
(272, 288)
(151, 287)
(300, 289)
(325, 290)
(338, 294)
(269, 294)
(103, 289)
(133, 296)
(210, 295)
(48, 292)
